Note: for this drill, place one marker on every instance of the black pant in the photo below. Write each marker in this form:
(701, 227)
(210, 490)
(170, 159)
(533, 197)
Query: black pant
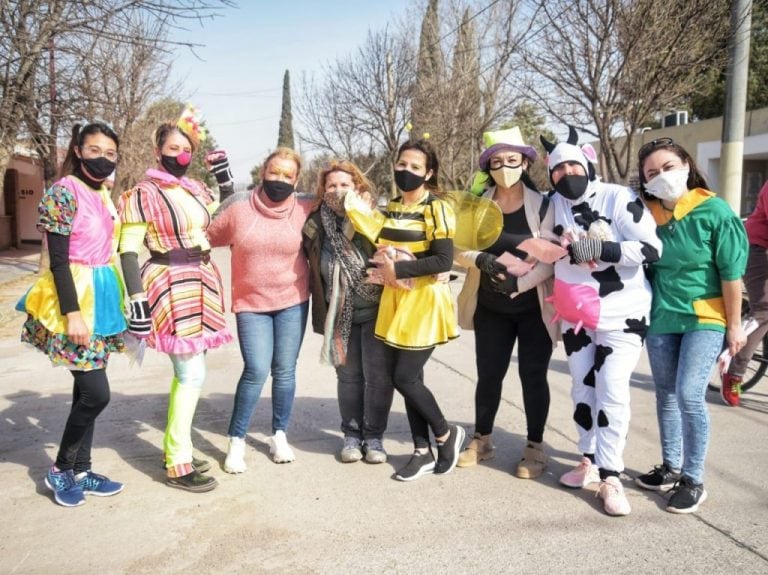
(90, 395)
(420, 405)
(495, 336)
(364, 384)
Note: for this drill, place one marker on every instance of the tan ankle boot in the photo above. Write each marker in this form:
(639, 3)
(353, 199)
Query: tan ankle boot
(479, 449)
(533, 462)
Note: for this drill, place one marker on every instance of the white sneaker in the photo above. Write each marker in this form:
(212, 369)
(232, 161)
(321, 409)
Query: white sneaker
(279, 449)
(235, 461)
(582, 475)
(615, 501)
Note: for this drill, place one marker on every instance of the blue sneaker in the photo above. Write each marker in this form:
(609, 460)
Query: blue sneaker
(65, 489)
(94, 484)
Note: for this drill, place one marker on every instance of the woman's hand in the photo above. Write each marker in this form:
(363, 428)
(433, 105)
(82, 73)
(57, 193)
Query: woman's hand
(387, 268)
(77, 331)
(734, 332)
(735, 338)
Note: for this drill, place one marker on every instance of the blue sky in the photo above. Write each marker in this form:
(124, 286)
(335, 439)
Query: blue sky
(237, 80)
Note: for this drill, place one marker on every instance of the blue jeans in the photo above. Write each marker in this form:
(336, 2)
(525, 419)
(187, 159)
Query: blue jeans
(681, 365)
(268, 342)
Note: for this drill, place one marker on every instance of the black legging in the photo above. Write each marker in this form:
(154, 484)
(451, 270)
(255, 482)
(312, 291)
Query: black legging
(420, 405)
(90, 395)
(495, 336)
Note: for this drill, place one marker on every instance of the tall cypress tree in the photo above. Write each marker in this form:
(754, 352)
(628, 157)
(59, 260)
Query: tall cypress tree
(285, 134)
(461, 121)
(429, 70)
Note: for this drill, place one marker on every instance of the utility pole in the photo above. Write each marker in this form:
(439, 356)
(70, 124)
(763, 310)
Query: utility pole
(732, 150)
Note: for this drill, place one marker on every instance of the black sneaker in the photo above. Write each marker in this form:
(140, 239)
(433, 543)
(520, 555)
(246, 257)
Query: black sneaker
(419, 464)
(686, 496)
(658, 478)
(201, 465)
(448, 451)
(195, 482)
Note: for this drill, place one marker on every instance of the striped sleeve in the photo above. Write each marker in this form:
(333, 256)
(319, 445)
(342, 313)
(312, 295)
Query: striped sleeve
(136, 205)
(442, 223)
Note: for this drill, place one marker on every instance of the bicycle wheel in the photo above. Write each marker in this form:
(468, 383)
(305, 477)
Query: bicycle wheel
(756, 369)
(757, 366)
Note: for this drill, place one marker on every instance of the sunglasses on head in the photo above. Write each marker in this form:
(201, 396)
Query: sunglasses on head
(653, 144)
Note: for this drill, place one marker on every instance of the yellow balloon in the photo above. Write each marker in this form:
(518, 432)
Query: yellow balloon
(479, 221)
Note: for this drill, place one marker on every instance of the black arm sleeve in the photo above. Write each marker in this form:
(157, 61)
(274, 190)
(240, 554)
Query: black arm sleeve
(129, 261)
(439, 260)
(225, 191)
(58, 250)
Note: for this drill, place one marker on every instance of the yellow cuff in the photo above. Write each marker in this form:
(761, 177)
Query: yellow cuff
(132, 237)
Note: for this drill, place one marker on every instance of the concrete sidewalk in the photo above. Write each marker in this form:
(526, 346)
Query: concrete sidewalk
(317, 515)
(17, 269)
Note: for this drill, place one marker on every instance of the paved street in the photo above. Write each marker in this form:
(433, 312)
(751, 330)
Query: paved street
(317, 515)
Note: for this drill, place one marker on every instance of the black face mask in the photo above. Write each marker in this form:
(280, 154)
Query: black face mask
(98, 168)
(408, 181)
(172, 166)
(276, 190)
(572, 187)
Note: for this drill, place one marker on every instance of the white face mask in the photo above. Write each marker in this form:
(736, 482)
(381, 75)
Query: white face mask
(669, 185)
(506, 177)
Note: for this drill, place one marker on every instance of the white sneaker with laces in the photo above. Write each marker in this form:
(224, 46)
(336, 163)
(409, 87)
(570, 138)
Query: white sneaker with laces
(235, 461)
(615, 501)
(279, 449)
(582, 475)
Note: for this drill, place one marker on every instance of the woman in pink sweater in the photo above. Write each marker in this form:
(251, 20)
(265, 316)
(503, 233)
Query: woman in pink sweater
(270, 293)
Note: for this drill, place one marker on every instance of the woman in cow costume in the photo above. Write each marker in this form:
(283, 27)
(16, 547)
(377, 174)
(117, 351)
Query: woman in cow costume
(603, 299)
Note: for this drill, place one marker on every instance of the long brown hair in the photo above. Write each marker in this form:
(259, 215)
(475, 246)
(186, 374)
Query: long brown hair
(79, 134)
(695, 178)
(433, 163)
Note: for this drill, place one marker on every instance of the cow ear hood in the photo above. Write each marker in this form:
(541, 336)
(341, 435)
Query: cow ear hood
(570, 151)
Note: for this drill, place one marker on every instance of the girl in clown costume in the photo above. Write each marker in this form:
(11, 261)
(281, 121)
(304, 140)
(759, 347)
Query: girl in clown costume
(74, 311)
(603, 300)
(176, 297)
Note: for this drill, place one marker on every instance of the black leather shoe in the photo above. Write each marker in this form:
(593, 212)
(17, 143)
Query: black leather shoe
(195, 482)
(201, 465)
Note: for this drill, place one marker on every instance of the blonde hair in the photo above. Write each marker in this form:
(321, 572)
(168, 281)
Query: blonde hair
(362, 184)
(285, 153)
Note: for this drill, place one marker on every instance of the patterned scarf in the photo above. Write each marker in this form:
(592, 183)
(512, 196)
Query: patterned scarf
(347, 273)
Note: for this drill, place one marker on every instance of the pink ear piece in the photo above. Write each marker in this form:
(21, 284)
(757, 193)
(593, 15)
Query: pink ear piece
(589, 153)
(184, 158)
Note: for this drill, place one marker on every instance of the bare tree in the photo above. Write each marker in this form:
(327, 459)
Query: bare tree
(99, 79)
(481, 87)
(362, 103)
(607, 66)
(30, 30)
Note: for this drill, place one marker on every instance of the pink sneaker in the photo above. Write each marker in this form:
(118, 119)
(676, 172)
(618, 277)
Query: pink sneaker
(615, 502)
(582, 475)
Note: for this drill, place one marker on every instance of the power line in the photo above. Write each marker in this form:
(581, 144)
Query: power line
(240, 94)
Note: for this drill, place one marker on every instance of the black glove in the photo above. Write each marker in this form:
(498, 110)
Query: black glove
(487, 264)
(507, 286)
(140, 322)
(219, 167)
(585, 251)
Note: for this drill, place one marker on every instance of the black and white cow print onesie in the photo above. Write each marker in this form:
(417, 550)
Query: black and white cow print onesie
(604, 306)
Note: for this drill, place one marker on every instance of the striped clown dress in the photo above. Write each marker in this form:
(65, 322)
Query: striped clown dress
(186, 300)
